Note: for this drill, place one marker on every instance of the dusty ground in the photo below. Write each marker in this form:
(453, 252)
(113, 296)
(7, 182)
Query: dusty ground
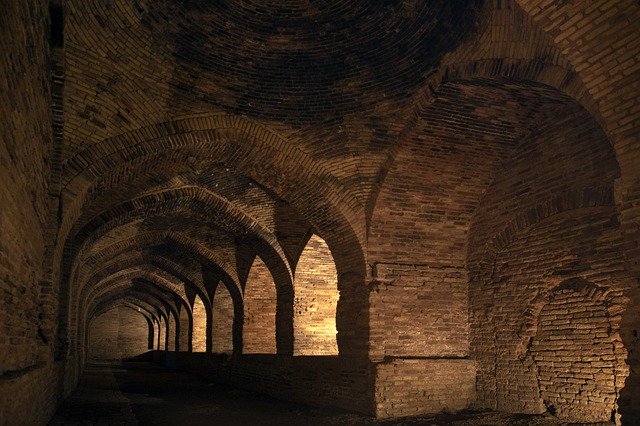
(140, 393)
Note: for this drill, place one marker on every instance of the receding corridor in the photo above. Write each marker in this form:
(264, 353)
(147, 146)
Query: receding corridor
(338, 211)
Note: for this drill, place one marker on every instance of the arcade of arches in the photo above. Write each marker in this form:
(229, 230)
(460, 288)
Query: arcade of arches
(391, 207)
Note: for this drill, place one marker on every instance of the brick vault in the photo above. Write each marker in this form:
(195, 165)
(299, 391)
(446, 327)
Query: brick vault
(393, 207)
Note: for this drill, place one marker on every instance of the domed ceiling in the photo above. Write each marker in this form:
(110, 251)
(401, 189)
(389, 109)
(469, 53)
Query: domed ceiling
(306, 60)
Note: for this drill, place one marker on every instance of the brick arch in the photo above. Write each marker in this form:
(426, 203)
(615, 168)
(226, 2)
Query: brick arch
(598, 301)
(603, 62)
(137, 253)
(128, 301)
(150, 313)
(239, 144)
(146, 293)
(578, 198)
(136, 305)
(147, 282)
(284, 290)
(155, 171)
(303, 183)
(193, 199)
(237, 301)
(529, 324)
(119, 284)
(596, 74)
(134, 270)
(564, 80)
(503, 69)
(267, 243)
(163, 263)
(89, 299)
(141, 330)
(185, 276)
(149, 316)
(148, 238)
(143, 301)
(126, 289)
(507, 44)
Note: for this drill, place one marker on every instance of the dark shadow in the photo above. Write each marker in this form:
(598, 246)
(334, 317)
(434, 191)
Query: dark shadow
(144, 357)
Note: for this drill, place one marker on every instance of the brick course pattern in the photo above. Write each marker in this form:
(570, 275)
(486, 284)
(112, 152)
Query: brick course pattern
(365, 204)
(259, 328)
(199, 326)
(315, 298)
(222, 321)
(117, 334)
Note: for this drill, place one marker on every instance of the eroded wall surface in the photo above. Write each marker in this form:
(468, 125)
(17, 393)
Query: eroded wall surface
(548, 276)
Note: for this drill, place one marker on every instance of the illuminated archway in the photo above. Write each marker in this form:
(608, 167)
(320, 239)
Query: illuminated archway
(199, 325)
(259, 329)
(315, 301)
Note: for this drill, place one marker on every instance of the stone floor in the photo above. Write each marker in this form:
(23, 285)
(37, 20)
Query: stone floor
(141, 393)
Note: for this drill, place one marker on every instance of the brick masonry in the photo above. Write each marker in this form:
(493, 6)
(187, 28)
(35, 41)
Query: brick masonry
(117, 334)
(222, 320)
(389, 192)
(27, 311)
(199, 326)
(259, 328)
(315, 298)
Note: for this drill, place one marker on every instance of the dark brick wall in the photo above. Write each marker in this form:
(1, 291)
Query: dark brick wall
(222, 320)
(27, 374)
(410, 387)
(118, 333)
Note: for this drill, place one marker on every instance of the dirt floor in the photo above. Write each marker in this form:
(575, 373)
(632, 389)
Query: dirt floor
(147, 394)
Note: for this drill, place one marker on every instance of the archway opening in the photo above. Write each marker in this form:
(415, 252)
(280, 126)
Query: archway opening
(222, 320)
(574, 356)
(184, 329)
(315, 301)
(199, 325)
(171, 331)
(259, 328)
(162, 339)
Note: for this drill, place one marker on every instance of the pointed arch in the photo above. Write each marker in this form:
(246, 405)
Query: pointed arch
(315, 301)
(200, 319)
(223, 313)
(260, 299)
(185, 329)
